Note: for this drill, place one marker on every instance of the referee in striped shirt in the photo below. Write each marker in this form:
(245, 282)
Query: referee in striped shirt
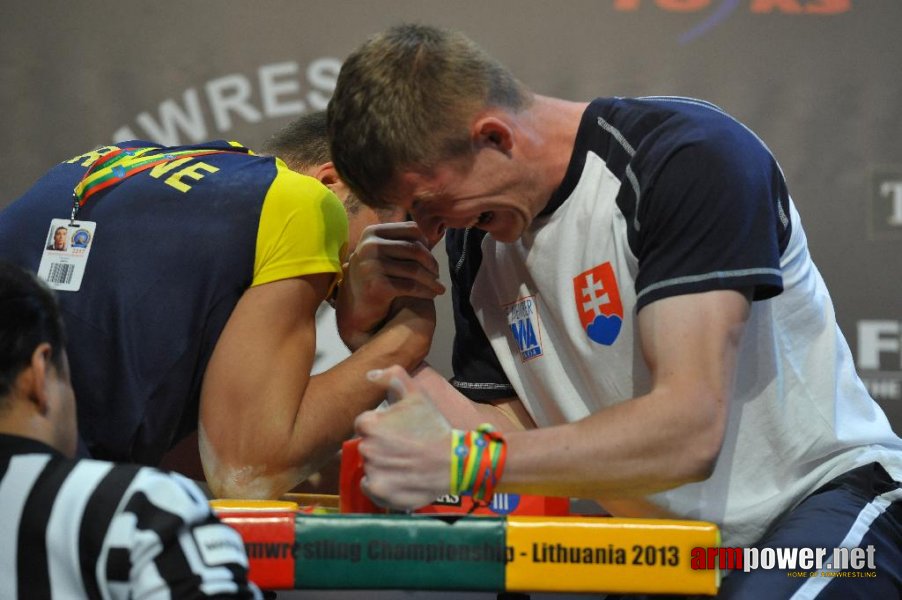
(85, 528)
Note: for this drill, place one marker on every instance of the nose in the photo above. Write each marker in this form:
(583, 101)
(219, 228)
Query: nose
(434, 235)
(433, 228)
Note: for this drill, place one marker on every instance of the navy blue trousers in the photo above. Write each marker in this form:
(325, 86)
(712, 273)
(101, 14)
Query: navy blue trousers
(858, 509)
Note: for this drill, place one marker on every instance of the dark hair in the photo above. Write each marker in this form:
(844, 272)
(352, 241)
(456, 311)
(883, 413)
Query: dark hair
(404, 100)
(29, 316)
(303, 143)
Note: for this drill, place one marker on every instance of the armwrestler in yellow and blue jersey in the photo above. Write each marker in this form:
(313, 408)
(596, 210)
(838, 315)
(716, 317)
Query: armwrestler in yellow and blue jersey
(199, 294)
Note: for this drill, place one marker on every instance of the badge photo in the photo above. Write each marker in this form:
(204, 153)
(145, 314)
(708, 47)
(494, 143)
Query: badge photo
(65, 255)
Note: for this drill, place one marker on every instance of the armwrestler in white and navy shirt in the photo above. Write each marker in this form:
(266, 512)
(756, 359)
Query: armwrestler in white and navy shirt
(663, 197)
(634, 272)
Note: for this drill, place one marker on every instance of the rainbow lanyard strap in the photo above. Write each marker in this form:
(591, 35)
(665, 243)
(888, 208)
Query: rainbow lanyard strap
(118, 165)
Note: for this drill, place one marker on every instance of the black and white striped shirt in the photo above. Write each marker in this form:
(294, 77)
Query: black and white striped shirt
(92, 529)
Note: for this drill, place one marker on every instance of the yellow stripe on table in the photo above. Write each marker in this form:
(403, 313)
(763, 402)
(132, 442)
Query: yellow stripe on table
(564, 554)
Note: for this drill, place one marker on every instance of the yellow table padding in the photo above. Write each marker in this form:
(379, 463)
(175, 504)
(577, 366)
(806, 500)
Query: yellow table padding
(615, 555)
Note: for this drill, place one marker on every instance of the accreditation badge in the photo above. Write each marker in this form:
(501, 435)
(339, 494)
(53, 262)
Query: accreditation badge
(65, 254)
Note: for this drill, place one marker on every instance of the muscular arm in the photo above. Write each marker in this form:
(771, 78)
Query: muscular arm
(265, 423)
(666, 438)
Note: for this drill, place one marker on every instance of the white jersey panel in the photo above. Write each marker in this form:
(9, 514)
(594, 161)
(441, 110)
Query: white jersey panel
(559, 383)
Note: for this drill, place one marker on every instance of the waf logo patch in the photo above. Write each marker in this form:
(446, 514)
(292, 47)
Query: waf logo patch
(523, 318)
(598, 303)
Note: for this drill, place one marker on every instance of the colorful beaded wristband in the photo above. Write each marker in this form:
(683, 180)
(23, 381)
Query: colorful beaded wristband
(477, 461)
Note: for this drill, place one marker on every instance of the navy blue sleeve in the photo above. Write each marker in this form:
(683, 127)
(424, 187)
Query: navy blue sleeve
(477, 373)
(714, 216)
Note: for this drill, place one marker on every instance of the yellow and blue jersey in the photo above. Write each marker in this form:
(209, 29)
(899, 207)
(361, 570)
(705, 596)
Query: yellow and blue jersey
(175, 247)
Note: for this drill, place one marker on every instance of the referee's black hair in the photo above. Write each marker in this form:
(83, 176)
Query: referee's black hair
(29, 316)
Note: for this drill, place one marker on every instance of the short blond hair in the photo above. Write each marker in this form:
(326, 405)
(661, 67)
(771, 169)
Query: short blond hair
(403, 100)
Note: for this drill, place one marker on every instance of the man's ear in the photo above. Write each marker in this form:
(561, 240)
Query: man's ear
(32, 381)
(326, 174)
(490, 131)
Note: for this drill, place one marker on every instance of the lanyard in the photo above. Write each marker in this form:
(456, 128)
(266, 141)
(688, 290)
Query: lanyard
(118, 165)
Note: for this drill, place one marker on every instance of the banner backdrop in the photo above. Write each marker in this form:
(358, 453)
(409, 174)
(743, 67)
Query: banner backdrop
(818, 80)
